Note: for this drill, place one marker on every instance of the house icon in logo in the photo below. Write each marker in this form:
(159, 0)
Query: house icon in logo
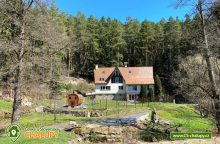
(13, 132)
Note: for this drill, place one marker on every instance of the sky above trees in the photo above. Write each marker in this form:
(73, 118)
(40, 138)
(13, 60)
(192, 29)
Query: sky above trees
(152, 10)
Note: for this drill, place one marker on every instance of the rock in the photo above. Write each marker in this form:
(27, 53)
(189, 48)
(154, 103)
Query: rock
(92, 126)
(95, 114)
(81, 131)
(26, 102)
(153, 139)
(163, 122)
(88, 114)
(39, 109)
(142, 119)
(73, 123)
(79, 139)
(154, 117)
(7, 115)
(104, 130)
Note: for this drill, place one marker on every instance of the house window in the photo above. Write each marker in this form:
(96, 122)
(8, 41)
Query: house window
(132, 88)
(117, 80)
(101, 79)
(102, 88)
(133, 97)
(120, 87)
(108, 88)
(116, 73)
(105, 88)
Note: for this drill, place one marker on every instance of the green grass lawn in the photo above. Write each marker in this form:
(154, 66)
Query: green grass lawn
(44, 119)
(34, 120)
(177, 114)
(63, 137)
(5, 105)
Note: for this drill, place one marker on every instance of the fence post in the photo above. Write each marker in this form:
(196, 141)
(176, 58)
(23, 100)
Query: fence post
(135, 101)
(142, 101)
(100, 104)
(106, 103)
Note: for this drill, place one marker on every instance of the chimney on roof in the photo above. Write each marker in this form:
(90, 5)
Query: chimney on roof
(96, 66)
(126, 64)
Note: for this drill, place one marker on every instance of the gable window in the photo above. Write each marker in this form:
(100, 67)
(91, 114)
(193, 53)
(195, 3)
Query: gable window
(120, 87)
(117, 80)
(101, 79)
(117, 73)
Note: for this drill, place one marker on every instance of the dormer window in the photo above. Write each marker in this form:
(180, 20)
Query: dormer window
(116, 78)
(101, 79)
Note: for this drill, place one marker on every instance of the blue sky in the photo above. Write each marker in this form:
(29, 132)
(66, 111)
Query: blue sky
(152, 10)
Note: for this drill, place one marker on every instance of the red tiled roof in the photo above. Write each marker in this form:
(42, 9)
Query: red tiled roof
(131, 75)
(137, 75)
(102, 73)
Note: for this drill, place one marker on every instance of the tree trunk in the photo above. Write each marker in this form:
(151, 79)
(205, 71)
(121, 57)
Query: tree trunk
(17, 95)
(210, 67)
(18, 74)
(69, 62)
(146, 57)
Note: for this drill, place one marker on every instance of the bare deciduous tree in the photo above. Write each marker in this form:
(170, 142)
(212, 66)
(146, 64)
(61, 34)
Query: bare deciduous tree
(31, 37)
(204, 15)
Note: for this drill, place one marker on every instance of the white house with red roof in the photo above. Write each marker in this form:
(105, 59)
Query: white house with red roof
(122, 82)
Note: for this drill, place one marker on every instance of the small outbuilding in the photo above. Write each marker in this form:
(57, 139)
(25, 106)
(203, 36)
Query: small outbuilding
(74, 99)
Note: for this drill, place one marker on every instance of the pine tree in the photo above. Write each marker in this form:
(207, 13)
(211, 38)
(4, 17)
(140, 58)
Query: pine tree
(132, 28)
(147, 38)
(158, 87)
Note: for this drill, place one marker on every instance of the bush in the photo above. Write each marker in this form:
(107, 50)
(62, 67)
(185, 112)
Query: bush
(151, 94)
(158, 88)
(84, 87)
(143, 93)
(153, 136)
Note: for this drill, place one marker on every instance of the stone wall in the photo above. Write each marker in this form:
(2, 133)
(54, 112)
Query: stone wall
(76, 113)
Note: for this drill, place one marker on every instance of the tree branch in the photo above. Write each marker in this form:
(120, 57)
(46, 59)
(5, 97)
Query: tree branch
(29, 5)
(202, 88)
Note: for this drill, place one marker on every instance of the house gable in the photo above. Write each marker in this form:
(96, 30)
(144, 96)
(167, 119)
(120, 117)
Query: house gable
(101, 75)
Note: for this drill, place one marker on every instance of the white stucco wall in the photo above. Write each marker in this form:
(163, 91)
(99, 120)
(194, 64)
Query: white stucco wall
(114, 89)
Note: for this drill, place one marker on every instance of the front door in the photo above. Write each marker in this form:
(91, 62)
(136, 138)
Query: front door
(132, 97)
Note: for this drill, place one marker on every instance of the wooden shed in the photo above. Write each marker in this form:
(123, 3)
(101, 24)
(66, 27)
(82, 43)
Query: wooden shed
(74, 99)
